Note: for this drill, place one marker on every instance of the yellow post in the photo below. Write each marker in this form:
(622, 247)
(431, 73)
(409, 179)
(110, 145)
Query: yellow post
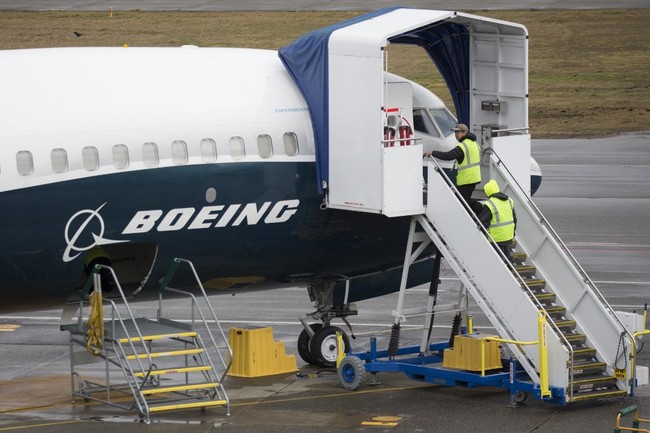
(340, 354)
(470, 324)
(543, 355)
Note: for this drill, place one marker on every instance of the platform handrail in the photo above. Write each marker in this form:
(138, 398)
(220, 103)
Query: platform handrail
(165, 286)
(539, 307)
(543, 352)
(497, 163)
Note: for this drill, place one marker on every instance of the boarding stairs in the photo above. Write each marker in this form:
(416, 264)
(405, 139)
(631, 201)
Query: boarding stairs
(151, 365)
(590, 353)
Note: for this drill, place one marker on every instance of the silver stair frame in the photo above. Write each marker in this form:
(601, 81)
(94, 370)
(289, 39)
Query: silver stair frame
(144, 365)
(495, 286)
(576, 291)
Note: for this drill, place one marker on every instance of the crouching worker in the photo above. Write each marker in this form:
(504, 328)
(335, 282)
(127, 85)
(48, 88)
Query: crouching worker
(498, 216)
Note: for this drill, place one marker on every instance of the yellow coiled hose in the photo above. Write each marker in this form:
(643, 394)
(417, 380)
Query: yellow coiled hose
(95, 332)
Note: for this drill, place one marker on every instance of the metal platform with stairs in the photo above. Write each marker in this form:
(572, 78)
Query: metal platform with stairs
(152, 365)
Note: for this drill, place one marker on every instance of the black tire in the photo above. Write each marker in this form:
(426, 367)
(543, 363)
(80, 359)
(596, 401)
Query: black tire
(303, 343)
(322, 346)
(521, 396)
(352, 372)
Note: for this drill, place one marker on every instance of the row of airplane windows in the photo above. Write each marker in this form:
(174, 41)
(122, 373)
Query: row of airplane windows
(150, 154)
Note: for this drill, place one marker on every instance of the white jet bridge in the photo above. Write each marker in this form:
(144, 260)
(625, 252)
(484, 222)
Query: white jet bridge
(365, 165)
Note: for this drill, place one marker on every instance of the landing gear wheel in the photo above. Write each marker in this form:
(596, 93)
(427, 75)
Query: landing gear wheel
(303, 343)
(323, 345)
(352, 372)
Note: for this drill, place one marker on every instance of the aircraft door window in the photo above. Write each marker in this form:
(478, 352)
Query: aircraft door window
(265, 145)
(422, 123)
(150, 154)
(290, 140)
(237, 150)
(446, 122)
(120, 156)
(59, 160)
(179, 152)
(208, 150)
(90, 158)
(24, 163)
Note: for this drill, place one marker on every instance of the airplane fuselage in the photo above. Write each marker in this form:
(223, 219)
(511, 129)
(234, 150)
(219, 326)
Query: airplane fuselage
(156, 153)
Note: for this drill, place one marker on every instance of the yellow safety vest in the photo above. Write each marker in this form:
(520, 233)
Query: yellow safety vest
(469, 171)
(502, 224)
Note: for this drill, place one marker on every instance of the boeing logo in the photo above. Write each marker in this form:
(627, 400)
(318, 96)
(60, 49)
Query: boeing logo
(188, 218)
(81, 220)
(211, 216)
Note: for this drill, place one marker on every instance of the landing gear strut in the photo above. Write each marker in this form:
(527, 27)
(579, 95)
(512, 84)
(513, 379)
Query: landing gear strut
(317, 343)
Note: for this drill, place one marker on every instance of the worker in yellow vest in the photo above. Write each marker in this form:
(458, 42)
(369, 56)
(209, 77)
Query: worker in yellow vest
(499, 217)
(468, 162)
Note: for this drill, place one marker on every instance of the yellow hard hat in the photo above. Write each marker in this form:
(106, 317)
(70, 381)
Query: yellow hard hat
(491, 188)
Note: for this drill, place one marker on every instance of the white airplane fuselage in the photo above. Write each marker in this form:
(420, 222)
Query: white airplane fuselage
(154, 153)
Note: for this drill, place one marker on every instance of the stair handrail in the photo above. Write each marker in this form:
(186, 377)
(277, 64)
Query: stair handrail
(164, 285)
(543, 353)
(497, 162)
(515, 274)
(90, 282)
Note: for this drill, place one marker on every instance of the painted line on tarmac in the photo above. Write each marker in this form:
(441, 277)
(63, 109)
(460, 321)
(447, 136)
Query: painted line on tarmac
(342, 394)
(40, 425)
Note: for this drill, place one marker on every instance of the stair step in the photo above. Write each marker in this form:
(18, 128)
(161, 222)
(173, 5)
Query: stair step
(546, 296)
(601, 380)
(158, 337)
(168, 353)
(536, 284)
(576, 338)
(581, 368)
(555, 310)
(161, 390)
(525, 270)
(206, 403)
(518, 256)
(175, 370)
(585, 351)
(598, 394)
(566, 324)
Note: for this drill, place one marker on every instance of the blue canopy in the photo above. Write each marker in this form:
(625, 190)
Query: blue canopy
(306, 59)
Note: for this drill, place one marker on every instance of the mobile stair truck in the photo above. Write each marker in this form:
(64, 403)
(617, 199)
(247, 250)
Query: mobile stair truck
(565, 342)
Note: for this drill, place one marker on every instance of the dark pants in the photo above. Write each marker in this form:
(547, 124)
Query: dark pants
(466, 192)
(506, 248)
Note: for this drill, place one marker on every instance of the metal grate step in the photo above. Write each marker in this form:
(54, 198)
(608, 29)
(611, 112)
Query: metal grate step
(206, 403)
(174, 370)
(179, 388)
(167, 353)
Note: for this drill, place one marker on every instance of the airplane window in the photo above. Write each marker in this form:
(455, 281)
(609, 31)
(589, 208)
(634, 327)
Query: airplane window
(25, 162)
(422, 123)
(265, 145)
(59, 160)
(444, 119)
(237, 150)
(208, 150)
(120, 156)
(290, 143)
(90, 158)
(179, 152)
(150, 154)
